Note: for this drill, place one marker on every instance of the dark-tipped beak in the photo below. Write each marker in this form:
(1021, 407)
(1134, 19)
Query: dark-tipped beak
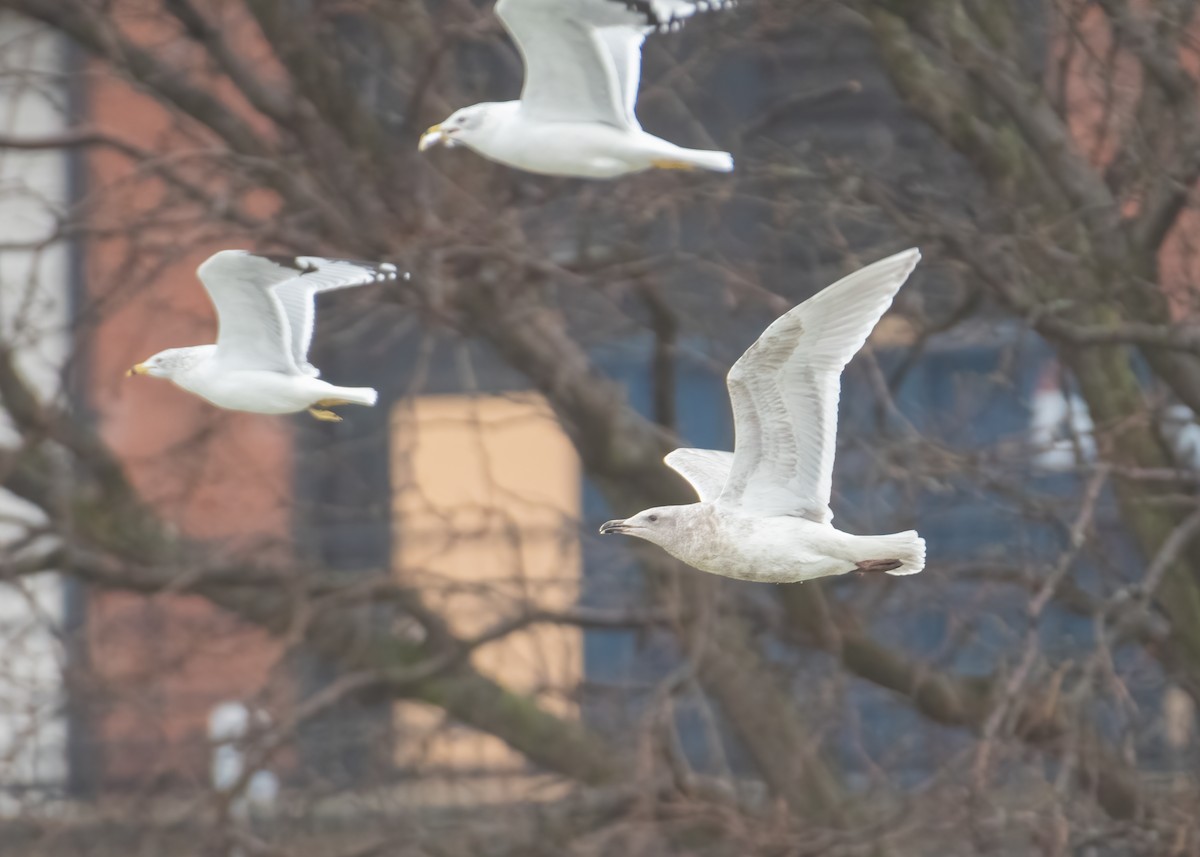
(612, 527)
(435, 135)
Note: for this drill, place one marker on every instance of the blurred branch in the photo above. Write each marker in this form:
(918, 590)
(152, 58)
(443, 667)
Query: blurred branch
(622, 452)
(1011, 688)
(98, 34)
(1041, 721)
(1158, 54)
(277, 103)
(126, 549)
(665, 326)
(75, 138)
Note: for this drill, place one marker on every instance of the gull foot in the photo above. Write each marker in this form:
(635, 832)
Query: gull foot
(332, 403)
(324, 415)
(668, 164)
(878, 564)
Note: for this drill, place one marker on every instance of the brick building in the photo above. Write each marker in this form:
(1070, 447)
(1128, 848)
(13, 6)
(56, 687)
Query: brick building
(476, 494)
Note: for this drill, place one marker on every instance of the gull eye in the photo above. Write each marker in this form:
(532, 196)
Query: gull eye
(653, 518)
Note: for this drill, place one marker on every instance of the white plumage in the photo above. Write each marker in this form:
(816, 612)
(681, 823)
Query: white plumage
(764, 508)
(265, 313)
(576, 116)
(229, 725)
(706, 469)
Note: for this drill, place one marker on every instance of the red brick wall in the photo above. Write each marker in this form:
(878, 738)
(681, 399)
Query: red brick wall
(162, 662)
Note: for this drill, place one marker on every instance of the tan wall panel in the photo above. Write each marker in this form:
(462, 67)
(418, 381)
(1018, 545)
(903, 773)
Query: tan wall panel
(487, 504)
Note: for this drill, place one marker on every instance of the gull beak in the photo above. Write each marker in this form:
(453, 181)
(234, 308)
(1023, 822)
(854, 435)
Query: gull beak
(432, 137)
(612, 527)
(139, 369)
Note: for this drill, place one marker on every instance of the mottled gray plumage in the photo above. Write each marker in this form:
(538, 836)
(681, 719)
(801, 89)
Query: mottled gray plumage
(764, 508)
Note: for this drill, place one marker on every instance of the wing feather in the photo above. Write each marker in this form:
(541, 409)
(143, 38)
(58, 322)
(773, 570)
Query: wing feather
(583, 57)
(706, 469)
(265, 304)
(785, 390)
(624, 45)
(570, 75)
(298, 295)
(252, 328)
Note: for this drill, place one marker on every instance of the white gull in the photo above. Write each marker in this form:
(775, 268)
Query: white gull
(583, 63)
(764, 511)
(265, 315)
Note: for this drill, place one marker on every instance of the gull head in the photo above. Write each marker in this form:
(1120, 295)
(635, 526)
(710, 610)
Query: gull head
(463, 126)
(662, 525)
(169, 363)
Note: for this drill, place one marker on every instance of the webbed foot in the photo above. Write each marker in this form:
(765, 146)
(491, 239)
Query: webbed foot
(878, 564)
(669, 164)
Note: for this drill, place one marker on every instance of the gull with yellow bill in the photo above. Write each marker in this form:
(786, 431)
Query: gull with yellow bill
(265, 315)
(583, 65)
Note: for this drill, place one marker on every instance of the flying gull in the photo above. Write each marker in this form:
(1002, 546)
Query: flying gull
(583, 63)
(764, 508)
(265, 314)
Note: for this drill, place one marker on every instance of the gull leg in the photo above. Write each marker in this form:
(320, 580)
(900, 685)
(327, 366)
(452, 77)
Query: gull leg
(670, 164)
(878, 564)
(320, 409)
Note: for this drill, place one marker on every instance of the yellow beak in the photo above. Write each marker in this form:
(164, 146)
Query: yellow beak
(431, 138)
(139, 369)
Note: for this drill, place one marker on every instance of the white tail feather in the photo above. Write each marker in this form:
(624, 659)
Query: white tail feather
(717, 162)
(357, 395)
(907, 547)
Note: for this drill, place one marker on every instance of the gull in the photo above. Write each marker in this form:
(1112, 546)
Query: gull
(583, 63)
(265, 316)
(764, 511)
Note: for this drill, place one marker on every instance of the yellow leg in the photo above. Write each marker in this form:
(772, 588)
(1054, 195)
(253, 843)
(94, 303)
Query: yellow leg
(332, 403)
(324, 415)
(668, 164)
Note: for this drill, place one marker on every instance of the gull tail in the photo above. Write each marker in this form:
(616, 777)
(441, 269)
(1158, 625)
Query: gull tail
(898, 553)
(717, 162)
(355, 395)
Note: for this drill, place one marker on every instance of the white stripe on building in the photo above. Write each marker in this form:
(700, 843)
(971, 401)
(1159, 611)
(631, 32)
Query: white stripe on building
(34, 318)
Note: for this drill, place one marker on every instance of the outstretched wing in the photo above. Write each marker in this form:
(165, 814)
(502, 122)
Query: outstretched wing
(252, 329)
(313, 275)
(583, 57)
(265, 304)
(785, 390)
(624, 46)
(706, 469)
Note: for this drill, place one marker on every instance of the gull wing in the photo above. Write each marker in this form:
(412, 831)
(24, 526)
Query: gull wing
(252, 328)
(706, 469)
(570, 75)
(785, 390)
(624, 46)
(311, 275)
(265, 304)
(583, 57)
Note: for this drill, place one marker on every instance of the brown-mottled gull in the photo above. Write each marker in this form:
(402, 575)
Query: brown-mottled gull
(764, 508)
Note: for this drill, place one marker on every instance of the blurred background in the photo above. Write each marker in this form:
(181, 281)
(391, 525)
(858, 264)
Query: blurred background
(228, 634)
